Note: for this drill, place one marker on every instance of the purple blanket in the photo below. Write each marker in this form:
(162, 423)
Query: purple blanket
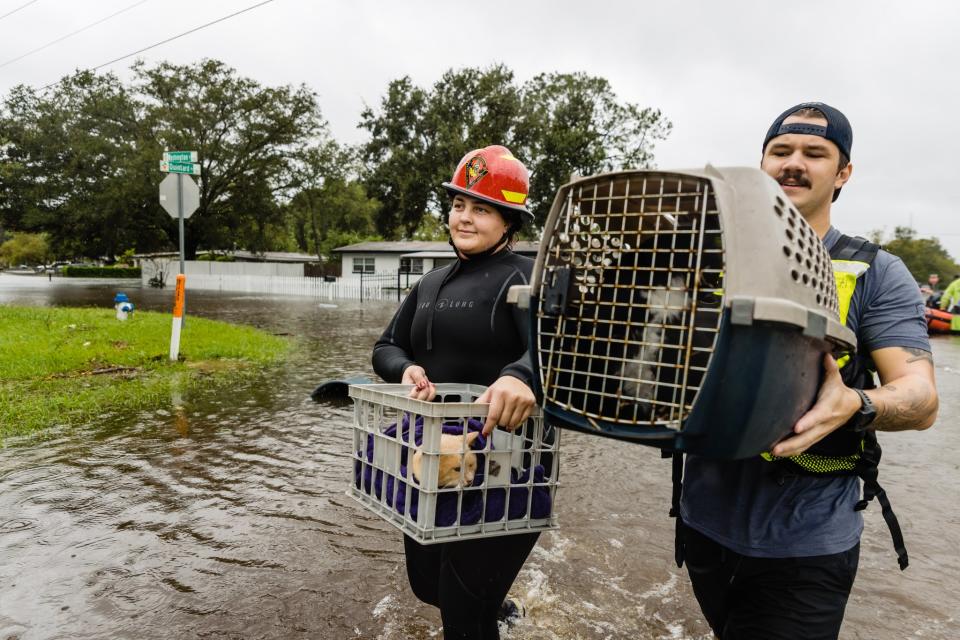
(472, 504)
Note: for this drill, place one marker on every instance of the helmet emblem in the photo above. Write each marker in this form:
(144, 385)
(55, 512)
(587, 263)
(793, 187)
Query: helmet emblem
(474, 170)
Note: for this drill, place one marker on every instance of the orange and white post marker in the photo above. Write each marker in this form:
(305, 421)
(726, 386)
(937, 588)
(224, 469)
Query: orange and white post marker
(177, 317)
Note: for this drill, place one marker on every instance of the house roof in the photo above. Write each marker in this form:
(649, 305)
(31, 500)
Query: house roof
(274, 256)
(243, 256)
(393, 247)
(430, 254)
(524, 247)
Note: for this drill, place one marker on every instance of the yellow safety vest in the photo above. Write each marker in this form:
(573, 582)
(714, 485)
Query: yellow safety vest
(846, 273)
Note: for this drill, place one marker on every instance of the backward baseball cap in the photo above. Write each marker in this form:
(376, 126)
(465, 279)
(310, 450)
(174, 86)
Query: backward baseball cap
(837, 131)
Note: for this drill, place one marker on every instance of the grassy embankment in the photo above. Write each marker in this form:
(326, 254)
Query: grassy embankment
(65, 366)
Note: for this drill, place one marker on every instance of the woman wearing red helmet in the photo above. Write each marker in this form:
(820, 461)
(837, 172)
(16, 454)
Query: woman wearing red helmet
(456, 326)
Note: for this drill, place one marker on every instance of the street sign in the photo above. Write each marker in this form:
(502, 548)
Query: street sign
(190, 168)
(176, 191)
(180, 156)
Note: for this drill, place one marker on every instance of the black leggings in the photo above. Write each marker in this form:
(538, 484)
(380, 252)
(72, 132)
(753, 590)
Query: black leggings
(467, 580)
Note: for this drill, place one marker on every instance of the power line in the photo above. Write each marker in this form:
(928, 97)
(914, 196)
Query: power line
(10, 13)
(71, 34)
(180, 35)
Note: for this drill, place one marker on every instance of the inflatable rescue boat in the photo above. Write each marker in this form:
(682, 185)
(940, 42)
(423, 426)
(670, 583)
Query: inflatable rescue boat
(942, 321)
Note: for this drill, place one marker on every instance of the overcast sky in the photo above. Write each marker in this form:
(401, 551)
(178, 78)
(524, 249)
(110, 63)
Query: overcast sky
(719, 70)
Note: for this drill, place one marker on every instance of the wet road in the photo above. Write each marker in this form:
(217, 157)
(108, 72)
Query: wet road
(226, 517)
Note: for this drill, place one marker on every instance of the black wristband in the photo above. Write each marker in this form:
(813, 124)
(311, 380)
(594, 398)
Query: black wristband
(864, 416)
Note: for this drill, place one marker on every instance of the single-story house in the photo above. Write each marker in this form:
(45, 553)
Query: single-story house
(411, 258)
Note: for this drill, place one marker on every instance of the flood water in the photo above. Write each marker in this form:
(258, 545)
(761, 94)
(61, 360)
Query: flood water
(224, 514)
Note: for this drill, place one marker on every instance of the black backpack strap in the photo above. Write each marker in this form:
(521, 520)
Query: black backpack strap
(862, 250)
(854, 248)
(868, 470)
(677, 478)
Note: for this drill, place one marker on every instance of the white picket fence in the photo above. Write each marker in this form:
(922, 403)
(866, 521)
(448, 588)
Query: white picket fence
(293, 286)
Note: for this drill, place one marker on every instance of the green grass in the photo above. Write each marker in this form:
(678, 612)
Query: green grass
(65, 366)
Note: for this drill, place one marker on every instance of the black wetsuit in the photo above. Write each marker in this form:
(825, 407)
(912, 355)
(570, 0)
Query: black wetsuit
(476, 336)
(457, 325)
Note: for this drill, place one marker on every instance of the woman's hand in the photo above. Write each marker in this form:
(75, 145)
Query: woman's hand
(511, 403)
(423, 389)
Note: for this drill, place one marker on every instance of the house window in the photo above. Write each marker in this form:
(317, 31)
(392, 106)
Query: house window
(363, 265)
(411, 265)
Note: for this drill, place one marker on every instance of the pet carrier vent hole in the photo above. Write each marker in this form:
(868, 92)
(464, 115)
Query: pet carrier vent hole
(795, 275)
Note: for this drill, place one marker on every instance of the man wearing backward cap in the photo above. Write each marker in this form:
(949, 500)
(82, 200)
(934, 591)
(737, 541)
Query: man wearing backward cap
(772, 543)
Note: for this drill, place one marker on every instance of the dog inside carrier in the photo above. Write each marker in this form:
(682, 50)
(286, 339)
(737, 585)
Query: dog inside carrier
(681, 309)
(427, 468)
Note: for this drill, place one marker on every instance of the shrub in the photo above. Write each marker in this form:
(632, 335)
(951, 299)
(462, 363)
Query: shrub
(101, 272)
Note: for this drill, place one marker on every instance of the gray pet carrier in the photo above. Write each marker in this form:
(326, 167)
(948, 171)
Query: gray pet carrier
(682, 309)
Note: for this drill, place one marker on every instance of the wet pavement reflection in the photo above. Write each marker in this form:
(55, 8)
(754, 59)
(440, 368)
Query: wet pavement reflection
(224, 514)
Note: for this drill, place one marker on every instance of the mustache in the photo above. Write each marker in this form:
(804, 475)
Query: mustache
(796, 177)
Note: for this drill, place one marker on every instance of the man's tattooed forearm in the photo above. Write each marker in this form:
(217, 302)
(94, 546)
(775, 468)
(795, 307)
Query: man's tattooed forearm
(918, 355)
(905, 410)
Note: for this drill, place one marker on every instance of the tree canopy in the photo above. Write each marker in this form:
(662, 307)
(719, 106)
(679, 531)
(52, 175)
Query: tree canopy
(556, 123)
(74, 166)
(24, 248)
(79, 162)
(922, 256)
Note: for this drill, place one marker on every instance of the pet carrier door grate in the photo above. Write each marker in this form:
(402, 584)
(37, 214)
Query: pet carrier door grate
(653, 291)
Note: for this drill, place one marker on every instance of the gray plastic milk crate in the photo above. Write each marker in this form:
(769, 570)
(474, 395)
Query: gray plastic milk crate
(514, 487)
(684, 309)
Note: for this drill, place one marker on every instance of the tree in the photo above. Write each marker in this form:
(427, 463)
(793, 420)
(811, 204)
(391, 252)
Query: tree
(74, 166)
(574, 123)
(922, 256)
(80, 161)
(556, 124)
(431, 229)
(398, 167)
(332, 215)
(248, 138)
(25, 248)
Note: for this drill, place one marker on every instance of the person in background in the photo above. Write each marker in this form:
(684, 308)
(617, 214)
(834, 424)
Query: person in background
(772, 543)
(931, 291)
(950, 300)
(456, 326)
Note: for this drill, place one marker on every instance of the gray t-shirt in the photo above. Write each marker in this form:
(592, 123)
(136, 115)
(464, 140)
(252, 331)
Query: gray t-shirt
(746, 507)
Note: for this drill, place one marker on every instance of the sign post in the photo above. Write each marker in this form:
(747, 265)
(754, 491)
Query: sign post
(178, 304)
(180, 197)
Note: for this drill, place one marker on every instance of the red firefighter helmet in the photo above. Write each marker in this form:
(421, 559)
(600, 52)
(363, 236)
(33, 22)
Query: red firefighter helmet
(493, 175)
